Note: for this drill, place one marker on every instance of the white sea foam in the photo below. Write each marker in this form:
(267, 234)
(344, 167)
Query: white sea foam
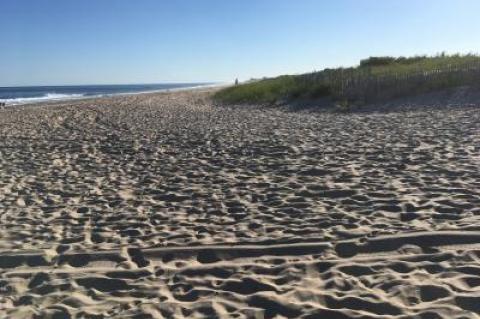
(58, 97)
(46, 97)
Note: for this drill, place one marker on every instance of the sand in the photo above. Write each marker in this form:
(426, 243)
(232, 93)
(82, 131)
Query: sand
(170, 206)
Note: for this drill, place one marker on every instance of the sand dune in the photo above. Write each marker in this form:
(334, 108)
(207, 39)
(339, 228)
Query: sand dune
(169, 206)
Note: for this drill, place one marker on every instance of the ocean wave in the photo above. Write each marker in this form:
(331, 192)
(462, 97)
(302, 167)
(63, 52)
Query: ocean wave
(84, 92)
(45, 97)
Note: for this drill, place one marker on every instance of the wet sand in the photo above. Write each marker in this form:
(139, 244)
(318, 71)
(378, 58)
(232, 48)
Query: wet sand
(169, 206)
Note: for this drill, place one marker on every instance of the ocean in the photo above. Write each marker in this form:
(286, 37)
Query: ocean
(33, 94)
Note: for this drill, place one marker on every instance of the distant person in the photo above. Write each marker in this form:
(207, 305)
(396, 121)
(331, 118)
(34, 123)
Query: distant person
(236, 81)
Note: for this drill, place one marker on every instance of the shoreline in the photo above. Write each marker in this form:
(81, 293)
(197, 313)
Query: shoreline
(107, 95)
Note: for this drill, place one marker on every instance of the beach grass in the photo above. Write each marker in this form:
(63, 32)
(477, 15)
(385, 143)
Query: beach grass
(271, 90)
(374, 79)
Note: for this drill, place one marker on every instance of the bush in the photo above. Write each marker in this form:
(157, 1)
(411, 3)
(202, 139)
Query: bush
(377, 61)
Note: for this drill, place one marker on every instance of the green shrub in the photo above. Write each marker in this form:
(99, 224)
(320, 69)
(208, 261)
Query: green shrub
(377, 61)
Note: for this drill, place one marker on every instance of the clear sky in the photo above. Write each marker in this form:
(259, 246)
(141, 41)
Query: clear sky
(56, 42)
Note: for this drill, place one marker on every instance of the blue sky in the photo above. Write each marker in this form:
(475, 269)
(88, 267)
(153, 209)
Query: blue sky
(56, 42)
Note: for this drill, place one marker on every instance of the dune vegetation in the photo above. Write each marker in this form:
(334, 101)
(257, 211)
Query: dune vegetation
(374, 79)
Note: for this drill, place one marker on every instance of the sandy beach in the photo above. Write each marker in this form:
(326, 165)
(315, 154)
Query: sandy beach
(168, 205)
